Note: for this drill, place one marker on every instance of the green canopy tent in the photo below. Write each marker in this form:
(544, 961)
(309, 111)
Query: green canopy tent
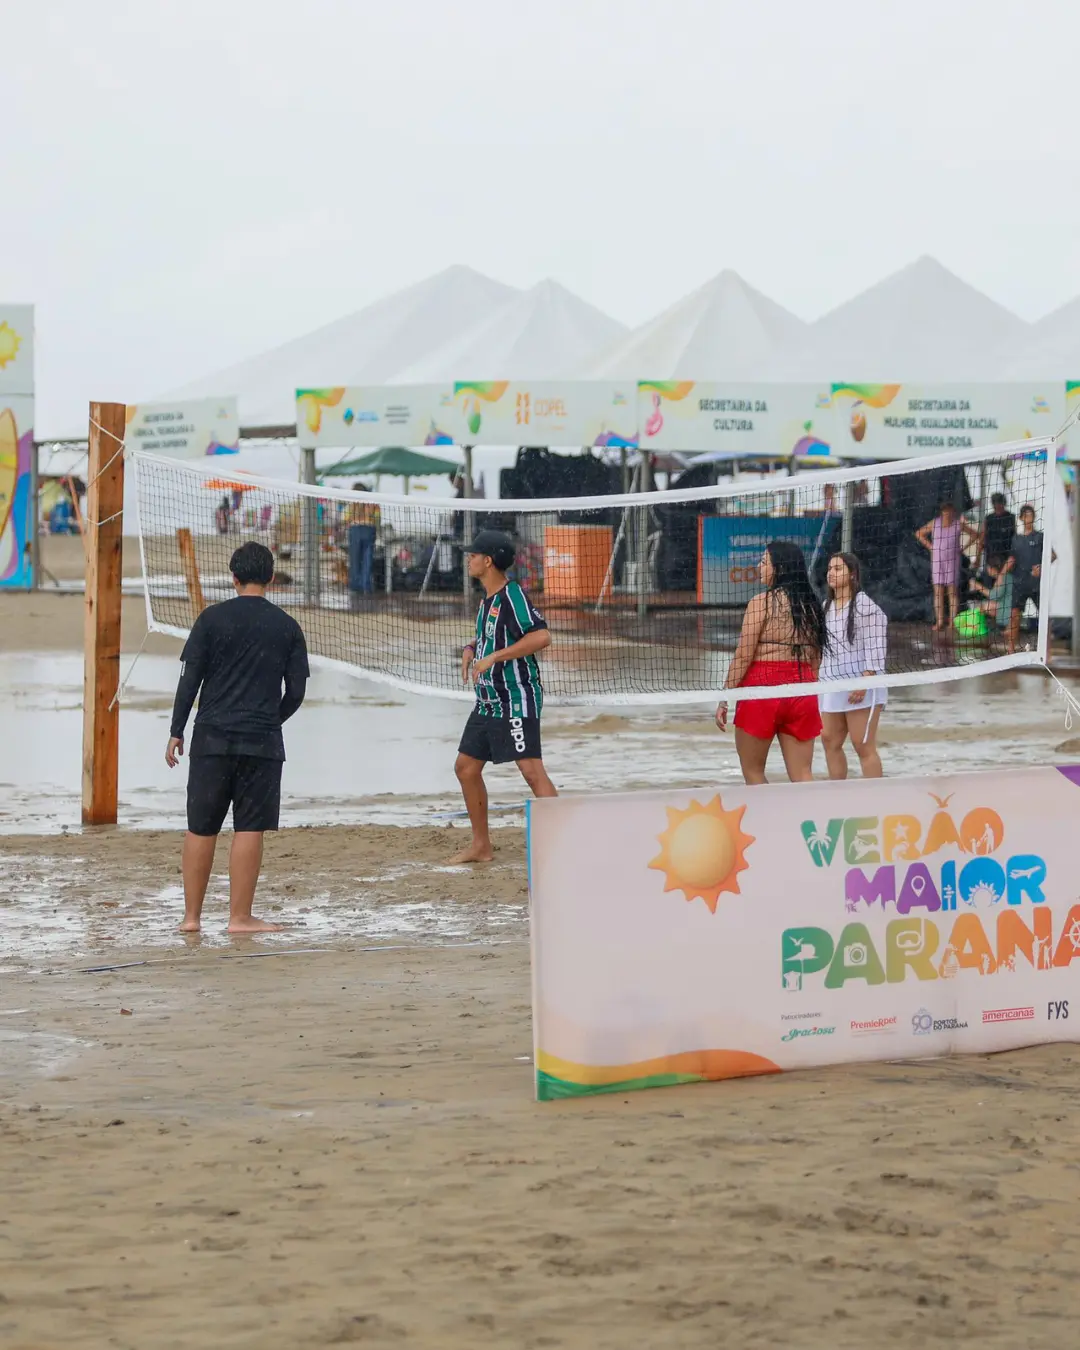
(395, 460)
(400, 462)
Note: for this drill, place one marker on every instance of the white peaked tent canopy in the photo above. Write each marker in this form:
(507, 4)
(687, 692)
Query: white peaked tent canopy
(724, 330)
(921, 323)
(368, 347)
(1050, 350)
(544, 333)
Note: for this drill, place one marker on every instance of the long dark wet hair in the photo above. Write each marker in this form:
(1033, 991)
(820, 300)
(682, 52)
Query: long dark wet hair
(791, 577)
(855, 573)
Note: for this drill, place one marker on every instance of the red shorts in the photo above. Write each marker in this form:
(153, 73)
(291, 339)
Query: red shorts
(768, 717)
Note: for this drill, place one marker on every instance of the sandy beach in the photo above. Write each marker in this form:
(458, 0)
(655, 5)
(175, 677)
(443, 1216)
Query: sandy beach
(290, 1147)
(328, 1137)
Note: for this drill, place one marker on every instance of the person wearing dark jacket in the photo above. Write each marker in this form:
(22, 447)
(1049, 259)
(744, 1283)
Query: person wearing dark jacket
(247, 661)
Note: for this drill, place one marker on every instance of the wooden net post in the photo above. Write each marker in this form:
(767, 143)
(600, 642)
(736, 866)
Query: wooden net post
(101, 641)
(190, 566)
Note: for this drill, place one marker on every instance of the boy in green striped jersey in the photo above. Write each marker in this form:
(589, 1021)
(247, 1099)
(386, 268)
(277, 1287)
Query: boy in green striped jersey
(504, 727)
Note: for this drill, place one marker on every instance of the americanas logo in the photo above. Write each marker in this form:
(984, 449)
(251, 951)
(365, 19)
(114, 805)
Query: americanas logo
(880, 1026)
(994, 1015)
(923, 1023)
(798, 1033)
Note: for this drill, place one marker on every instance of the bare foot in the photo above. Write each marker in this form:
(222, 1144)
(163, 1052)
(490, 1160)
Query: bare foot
(189, 926)
(254, 926)
(473, 854)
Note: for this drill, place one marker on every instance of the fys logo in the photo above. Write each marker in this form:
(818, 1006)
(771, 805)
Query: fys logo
(702, 851)
(954, 867)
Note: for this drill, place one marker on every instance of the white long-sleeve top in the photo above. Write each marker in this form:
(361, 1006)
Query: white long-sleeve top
(846, 660)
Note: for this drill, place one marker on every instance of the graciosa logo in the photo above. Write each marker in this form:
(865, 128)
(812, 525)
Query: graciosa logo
(798, 1033)
(702, 851)
(987, 902)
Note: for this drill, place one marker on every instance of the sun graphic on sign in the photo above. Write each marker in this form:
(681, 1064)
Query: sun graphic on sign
(702, 851)
(10, 342)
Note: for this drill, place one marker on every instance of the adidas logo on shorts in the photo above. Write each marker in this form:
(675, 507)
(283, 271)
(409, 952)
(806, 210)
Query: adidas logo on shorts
(517, 733)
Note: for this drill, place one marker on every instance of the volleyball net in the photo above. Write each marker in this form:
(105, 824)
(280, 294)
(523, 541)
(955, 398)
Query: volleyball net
(644, 593)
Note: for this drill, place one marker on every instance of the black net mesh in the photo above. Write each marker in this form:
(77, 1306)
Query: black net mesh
(645, 595)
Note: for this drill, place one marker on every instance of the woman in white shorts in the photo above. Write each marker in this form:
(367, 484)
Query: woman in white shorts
(857, 630)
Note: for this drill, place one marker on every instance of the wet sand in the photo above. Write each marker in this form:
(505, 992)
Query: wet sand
(317, 1148)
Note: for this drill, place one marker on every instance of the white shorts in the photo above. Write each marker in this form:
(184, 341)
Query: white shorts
(838, 702)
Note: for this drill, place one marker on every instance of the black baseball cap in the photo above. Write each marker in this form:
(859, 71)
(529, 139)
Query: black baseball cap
(496, 545)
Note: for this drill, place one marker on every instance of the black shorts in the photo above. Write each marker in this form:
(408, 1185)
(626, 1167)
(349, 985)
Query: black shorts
(249, 783)
(1025, 589)
(500, 739)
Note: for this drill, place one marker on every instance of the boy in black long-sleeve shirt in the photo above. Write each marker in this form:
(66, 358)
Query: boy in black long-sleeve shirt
(240, 654)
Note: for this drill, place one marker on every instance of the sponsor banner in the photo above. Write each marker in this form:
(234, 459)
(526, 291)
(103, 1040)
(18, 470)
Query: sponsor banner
(16, 507)
(686, 936)
(738, 419)
(204, 426)
(730, 549)
(545, 412)
(470, 412)
(16, 350)
(860, 421)
(375, 415)
(902, 421)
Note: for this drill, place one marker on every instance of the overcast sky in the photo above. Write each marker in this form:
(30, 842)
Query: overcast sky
(187, 182)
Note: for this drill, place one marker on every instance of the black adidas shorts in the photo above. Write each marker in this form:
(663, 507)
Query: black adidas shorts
(249, 784)
(500, 740)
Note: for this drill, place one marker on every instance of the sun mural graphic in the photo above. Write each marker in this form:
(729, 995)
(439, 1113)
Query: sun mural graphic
(10, 342)
(703, 850)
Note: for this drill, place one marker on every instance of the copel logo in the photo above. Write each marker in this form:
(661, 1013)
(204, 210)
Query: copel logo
(522, 410)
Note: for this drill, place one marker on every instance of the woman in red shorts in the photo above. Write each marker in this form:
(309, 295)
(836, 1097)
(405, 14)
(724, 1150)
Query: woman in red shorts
(782, 639)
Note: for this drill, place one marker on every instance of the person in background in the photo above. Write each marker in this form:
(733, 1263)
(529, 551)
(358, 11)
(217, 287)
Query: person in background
(781, 642)
(362, 521)
(858, 635)
(221, 516)
(246, 660)
(998, 530)
(995, 585)
(1024, 565)
(943, 538)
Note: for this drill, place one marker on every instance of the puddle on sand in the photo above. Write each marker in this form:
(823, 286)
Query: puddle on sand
(36, 1054)
(43, 922)
(362, 754)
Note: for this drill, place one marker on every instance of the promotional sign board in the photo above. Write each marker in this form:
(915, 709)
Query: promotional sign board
(205, 426)
(741, 419)
(16, 507)
(898, 421)
(375, 415)
(16, 442)
(16, 349)
(730, 548)
(684, 936)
